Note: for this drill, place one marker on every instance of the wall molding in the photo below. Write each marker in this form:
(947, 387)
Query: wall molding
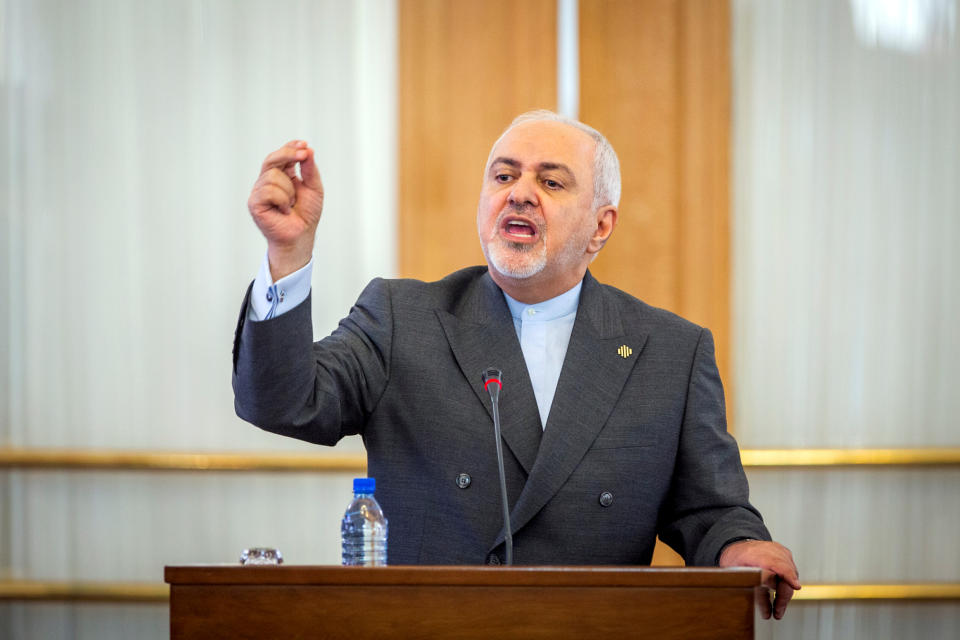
(945, 456)
(57, 591)
(133, 460)
(124, 460)
(903, 591)
(148, 592)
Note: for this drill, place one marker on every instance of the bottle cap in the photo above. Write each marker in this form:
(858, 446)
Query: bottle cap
(364, 485)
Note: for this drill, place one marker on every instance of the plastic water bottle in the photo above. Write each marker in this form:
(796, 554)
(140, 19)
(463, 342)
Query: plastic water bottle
(364, 529)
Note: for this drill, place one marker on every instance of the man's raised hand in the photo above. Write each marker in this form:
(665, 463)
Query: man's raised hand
(287, 208)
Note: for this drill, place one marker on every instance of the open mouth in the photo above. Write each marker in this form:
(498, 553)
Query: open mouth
(519, 229)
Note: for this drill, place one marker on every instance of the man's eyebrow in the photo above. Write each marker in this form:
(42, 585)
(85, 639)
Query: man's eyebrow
(556, 166)
(510, 162)
(543, 166)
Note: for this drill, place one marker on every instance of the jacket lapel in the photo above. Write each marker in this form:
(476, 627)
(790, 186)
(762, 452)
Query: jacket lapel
(481, 335)
(591, 380)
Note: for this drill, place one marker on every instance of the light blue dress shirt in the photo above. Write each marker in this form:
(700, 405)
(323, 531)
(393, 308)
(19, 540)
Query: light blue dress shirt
(543, 329)
(269, 299)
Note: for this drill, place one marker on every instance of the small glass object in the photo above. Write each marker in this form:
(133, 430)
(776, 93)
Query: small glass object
(261, 555)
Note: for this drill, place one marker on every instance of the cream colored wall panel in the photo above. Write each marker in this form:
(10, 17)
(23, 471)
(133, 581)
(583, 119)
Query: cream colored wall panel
(135, 132)
(864, 621)
(63, 621)
(882, 525)
(846, 198)
(125, 526)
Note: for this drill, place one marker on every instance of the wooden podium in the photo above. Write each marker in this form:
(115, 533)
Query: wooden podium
(222, 601)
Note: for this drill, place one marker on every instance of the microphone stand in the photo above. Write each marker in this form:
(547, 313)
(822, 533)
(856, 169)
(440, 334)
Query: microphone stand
(491, 382)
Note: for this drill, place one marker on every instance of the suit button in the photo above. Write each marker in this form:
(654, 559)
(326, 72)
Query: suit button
(463, 480)
(493, 559)
(606, 499)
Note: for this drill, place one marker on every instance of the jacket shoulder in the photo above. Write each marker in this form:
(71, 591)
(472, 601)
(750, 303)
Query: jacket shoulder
(650, 318)
(444, 293)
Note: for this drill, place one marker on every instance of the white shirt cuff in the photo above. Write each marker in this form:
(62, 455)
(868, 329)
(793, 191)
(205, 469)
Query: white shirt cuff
(270, 299)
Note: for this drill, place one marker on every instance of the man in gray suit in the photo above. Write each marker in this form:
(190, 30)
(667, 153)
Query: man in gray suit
(612, 411)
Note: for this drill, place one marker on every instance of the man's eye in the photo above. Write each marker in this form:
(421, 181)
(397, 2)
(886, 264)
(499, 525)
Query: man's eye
(552, 184)
(502, 178)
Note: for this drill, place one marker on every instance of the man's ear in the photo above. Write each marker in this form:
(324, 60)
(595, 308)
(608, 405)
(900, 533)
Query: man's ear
(606, 221)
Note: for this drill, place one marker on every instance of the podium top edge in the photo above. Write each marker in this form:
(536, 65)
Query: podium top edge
(522, 576)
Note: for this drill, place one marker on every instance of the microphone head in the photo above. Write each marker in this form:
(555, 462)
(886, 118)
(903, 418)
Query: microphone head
(492, 381)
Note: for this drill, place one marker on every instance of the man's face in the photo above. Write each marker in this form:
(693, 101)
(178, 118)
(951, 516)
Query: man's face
(535, 217)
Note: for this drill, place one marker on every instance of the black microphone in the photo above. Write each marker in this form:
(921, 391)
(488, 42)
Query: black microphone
(492, 383)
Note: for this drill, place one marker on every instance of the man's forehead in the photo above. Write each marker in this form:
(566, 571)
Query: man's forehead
(546, 142)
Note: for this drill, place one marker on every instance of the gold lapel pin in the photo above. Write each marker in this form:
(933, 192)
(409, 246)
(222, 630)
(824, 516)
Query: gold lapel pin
(624, 351)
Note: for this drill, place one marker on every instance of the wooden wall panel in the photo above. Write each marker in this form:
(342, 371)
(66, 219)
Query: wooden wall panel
(655, 79)
(466, 69)
(629, 91)
(704, 172)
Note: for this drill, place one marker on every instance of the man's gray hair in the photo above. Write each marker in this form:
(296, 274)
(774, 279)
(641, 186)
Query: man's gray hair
(606, 166)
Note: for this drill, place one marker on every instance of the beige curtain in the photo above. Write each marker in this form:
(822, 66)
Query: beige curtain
(132, 133)
(846, 220)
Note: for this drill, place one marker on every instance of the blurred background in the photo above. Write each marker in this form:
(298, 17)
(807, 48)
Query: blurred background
(791, 175)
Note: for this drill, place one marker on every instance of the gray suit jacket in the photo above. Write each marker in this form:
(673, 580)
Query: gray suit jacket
(403, 369)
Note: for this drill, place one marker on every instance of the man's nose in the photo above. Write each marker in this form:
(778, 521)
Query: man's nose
(524, 192)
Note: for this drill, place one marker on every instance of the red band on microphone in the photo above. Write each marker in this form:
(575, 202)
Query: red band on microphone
(487, 383)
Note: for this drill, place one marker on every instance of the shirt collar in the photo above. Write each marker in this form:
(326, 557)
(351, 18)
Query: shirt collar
(558, 307)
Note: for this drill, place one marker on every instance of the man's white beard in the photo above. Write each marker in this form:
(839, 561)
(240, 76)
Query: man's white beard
(516, 260)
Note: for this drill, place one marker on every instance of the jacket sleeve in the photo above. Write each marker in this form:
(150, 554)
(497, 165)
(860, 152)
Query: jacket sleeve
(708, 503)
(285, 383)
